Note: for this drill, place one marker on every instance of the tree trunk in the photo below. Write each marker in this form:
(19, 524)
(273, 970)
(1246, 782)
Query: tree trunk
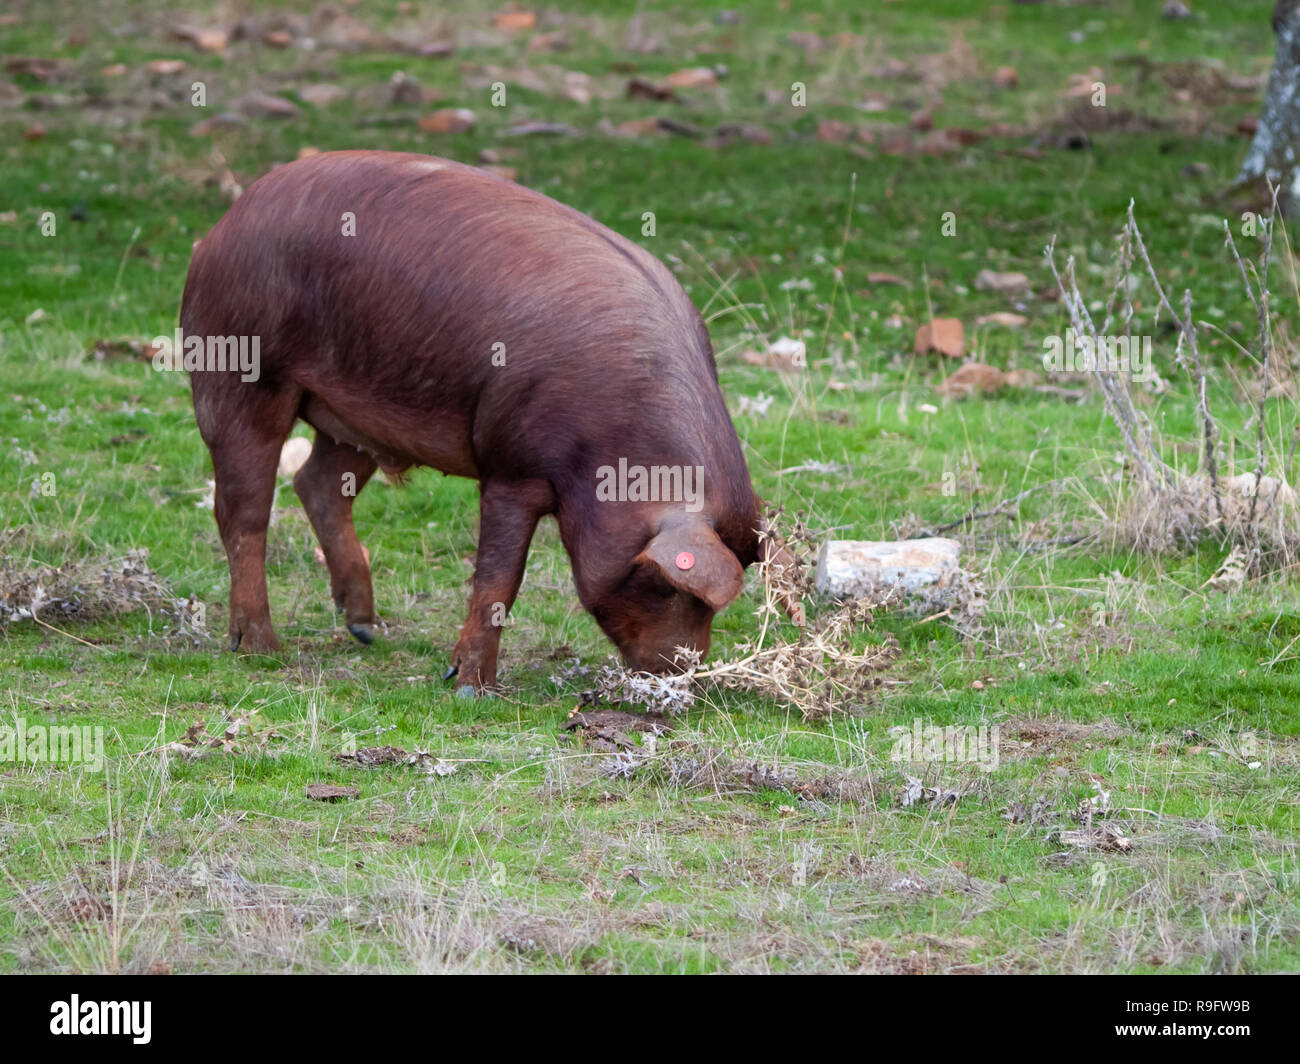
(1275, 151)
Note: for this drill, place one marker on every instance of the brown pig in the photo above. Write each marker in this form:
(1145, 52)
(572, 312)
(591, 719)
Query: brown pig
(416, 311)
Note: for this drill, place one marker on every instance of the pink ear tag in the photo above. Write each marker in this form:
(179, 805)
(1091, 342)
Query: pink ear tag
(685, 560)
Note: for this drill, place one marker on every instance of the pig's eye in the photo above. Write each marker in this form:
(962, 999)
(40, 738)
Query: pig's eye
(661, 587)
(653, 581)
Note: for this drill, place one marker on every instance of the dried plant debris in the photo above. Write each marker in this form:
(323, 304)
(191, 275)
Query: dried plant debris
(600, 718)
(662, 760)
(430, 764)
(1029, 813)
(607, 729)
(914, 792)
(1231, 575)
(1045, 734)
(1092, 808)
(622, 765)
(612, 684)
(787, 550)
(92, 590)
(695, 769)
(1107, 837)
(329, 792)
(374, 755)
(818, 671)
(1164, 507)
(962, 599)
(248, 735)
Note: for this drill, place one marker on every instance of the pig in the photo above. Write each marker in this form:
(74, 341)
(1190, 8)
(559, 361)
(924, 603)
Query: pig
(415, 311)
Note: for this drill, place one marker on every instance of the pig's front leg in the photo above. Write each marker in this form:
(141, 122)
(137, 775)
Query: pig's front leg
(508, 514)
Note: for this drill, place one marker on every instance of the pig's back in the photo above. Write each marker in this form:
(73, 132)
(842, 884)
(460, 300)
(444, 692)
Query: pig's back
(439, 250)
(516, 327)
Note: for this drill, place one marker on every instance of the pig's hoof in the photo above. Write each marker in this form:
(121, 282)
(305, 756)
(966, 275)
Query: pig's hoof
(255, 640)
(467, 691)
(450, 672)
(362, 633)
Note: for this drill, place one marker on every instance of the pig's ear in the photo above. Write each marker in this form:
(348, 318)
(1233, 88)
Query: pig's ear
(692, 557)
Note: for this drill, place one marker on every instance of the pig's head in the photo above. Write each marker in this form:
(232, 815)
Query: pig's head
(665, 595)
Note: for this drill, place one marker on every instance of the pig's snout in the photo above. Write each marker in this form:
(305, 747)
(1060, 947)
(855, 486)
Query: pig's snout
(662, 657)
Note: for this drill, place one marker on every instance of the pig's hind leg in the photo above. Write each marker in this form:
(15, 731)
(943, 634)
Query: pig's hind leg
(327, 484)
(508, 514)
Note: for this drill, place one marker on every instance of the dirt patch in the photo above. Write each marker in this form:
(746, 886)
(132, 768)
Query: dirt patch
(1046, 733)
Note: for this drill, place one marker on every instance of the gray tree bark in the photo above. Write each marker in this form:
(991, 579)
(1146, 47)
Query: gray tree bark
(1275, 151)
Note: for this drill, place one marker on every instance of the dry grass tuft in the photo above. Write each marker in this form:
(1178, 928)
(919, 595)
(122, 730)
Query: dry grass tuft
(93, 590)
(1164, 508)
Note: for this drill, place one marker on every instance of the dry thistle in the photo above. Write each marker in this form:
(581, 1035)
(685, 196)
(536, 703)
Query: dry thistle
(819, 672)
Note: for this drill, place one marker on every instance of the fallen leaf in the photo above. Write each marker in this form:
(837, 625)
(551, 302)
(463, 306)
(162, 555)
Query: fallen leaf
(640, 88)
(694, 77)
(448, 120)
(322, 95)
(165, 66)
(636, 127)
(944, 335)
(266, 105)
(205, 39)
(895, 142)
(514, 20)
(548, 42)
(1082, 85)
(972, 377)
(40, 68)
(1002, 317)
(405, 89)
(936, 143)
(1007, 283)
(730, 132)
(531, 129)
(225, 120)
(576, 87)
(885, 278)
(922, 121)
(833, 131)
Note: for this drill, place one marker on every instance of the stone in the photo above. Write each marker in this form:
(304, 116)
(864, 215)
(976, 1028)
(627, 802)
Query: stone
(867, 568)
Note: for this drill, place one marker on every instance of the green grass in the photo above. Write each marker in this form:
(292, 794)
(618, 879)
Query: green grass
(1098, 664)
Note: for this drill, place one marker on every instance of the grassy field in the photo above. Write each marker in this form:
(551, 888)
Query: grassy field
(747, 839)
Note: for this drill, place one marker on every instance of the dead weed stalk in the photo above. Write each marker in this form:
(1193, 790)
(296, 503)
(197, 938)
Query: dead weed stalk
(1167, 508)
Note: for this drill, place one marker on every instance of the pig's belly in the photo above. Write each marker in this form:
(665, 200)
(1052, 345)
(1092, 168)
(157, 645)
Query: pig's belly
(396, 437)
